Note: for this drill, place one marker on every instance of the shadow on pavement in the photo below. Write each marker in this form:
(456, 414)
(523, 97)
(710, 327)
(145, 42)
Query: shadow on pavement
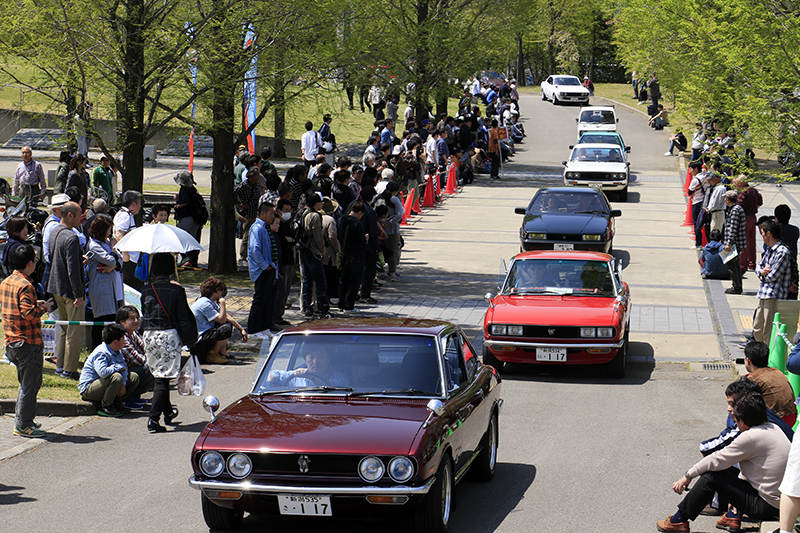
(75, 439)
(635, 373)
(10, 495)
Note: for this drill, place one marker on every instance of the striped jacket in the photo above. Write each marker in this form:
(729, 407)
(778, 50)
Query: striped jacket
(735, 225)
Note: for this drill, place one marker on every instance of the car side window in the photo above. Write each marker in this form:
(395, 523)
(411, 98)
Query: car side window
(470, 361)
(455, 372)
(550, 80)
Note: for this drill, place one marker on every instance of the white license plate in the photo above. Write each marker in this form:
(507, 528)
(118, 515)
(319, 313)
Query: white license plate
(305, 504)
(563, 247)
(599, 185)
(551, 354)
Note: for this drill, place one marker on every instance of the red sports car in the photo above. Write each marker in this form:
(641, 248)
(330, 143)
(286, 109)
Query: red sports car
(353, 417)
(559, 308)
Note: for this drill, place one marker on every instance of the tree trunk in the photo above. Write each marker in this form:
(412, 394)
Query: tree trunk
(133, 98)
(421, 83)
(441, 105)
(520, 63)
(222, 246)
(280, 120)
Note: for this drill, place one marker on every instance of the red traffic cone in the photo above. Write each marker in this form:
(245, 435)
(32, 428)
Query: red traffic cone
(438, 186)
(452, 181)
(407, 208)
(428, 200)
(416, 208)
(687, 221)
(686, 184)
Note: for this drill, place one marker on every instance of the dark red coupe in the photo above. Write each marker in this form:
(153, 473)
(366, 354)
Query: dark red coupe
(559, 308)
(353, 417)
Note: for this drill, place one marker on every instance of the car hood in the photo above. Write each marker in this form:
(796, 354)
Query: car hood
(553, 310)
(318, 425)
(569, 223)
(595, 166)
(571, 88)
(593, 126)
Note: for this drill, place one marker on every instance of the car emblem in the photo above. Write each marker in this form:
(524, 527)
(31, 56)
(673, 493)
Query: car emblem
(551, 331)
(303, 461)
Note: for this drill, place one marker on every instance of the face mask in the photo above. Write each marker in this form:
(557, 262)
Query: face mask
(286, 216)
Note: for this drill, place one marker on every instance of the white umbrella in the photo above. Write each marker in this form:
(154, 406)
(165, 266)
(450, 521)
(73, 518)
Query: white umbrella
(158, 238)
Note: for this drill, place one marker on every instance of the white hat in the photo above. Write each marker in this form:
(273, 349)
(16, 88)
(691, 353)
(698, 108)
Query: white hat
(59, 200)
(397, 150)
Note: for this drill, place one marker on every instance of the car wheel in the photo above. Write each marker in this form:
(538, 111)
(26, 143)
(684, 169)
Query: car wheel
(623, 194)
(491, 360)
(544, 96)
(555, 99)
(217, 517)
(484, 466)
(433, 515)
(616, 367)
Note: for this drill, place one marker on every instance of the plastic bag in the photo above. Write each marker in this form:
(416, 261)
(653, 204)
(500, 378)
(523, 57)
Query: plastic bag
(191, 380)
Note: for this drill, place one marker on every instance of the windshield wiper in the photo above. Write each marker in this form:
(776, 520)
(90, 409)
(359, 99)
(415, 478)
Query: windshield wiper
(410, 392)
(321, 388)
(534, 291)
(591, 212)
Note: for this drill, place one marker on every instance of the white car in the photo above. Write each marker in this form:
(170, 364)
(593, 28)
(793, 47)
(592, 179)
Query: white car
(596, 118)
(564, 89)
(598, 165)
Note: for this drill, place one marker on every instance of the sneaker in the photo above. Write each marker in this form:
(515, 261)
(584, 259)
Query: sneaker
(30, 432)
(733, 291)
(109, 411)
(133, 406)
(667, 154)
(370, 300)
(36, 424)
(51, 359)
(119, 406)
(70, 375)
(731, 524)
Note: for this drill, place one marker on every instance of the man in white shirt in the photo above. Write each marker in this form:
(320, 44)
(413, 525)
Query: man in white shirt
(309, 145)
(123, 223)
(431, 153)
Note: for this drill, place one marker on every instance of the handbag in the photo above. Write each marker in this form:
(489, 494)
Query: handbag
(191, 380)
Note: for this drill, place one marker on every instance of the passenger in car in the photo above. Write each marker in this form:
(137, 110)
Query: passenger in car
(530, 275)
(316, 371)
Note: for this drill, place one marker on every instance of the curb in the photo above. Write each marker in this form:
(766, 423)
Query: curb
(53, 408)
(29, 444)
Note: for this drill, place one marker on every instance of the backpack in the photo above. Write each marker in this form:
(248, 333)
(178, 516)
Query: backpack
(298, 229)
(199, 211)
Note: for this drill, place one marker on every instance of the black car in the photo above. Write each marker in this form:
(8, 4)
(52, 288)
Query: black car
(568, 218)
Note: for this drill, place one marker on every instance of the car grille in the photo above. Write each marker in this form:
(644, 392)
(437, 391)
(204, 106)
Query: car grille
(597, 176)
(564, 237)
(573, 95)
(318, 464)
(558, 332)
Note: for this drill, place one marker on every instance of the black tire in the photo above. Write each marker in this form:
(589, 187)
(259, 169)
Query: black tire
(217, 517)
(544, 98)
(484, 466)
(555, 99)
(433, 515)
(616, 367)
(623, 194)
(491, 360)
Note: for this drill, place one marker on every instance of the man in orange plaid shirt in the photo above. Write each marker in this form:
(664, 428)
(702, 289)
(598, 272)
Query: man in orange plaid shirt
(24, 344)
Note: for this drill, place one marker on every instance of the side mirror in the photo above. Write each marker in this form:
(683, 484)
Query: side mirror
(520, 210)
(616, 213)
(488, 296)
(617, 121)
(211, 404)
(564, 163)
(627, 163)
(436, 407)
(571, 146)
(577, 121)
(627, 149)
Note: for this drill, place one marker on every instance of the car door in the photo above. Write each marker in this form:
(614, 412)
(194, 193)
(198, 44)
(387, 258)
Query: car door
(464, 395)
(548, 87)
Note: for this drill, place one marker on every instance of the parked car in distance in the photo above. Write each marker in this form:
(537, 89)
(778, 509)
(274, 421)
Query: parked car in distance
(603, 137)
(493, 77)
(353, 418)
(598, 165)
(563, 89)
(559, 308)
(596, 118)
(568, 218)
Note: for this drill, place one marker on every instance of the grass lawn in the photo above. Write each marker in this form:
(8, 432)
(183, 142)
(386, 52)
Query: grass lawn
(196, 277)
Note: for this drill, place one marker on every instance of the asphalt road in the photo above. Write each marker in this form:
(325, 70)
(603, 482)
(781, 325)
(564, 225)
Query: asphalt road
(577, 452)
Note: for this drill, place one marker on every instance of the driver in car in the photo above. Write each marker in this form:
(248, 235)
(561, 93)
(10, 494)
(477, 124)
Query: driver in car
(531, 275)
(588, 203)
(315, 372)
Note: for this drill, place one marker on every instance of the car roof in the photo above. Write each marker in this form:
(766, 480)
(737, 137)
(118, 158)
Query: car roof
(371, 325)
(596, 145)
(572, 255)
(568, 189)
(598, 108)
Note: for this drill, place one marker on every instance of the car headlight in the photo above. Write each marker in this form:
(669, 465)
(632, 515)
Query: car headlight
(605, 332)
(239, 465)
(572, 175)
(371, 469)
(212, 464)
(591, 237)
(621, 176)
(588, 332)
(515, 331)
(537, 235)
(498, 329)
(401, 469)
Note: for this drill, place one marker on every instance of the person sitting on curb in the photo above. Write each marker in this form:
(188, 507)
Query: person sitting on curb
(777, 391)
(105, 377)
(677, 141)
(660, 119)
(134, 354)
(761, 450)
(214, 324)
(711, 261)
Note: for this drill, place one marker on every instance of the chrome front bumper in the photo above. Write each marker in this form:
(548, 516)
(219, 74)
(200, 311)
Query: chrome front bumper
(527, 344)
(258, 488)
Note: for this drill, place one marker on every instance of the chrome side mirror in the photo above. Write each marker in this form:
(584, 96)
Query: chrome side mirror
(488, 296)
(211, 404)
(436, 407)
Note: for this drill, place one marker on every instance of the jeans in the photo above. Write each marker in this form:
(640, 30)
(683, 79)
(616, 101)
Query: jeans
(260, 317)
(349, 281)
(314, 277)
(284, 288)
(731, 489)
(70, 342)
(29, 361)
(698, 235)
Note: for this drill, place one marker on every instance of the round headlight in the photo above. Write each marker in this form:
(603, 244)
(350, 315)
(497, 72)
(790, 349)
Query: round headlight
(239, 465)
(401, 469)
(212, 464)
(371, 469)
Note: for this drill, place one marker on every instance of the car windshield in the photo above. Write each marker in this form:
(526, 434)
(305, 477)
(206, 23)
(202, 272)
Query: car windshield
(352, 364)
(600, 138)
(598, 116)
(605, 155)
(567, 202)
(566, 80)
(558, 276)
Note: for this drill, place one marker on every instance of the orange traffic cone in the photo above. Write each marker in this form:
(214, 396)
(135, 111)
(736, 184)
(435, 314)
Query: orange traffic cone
(452, 181)
(686, 184)
(428, 200)
(407, 208)
(687, 221)
(416, 208)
